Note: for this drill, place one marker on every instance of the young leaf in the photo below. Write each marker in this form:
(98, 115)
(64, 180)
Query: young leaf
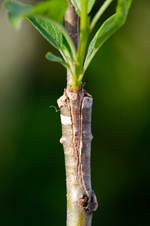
(16, 11)
(90, 5)
(52, 57)
(53, 10)
(77, 5)
(99, 14)
(110, 26)
(46, 18)
(52, 34)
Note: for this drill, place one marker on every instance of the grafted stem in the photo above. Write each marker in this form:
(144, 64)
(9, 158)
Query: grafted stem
(76, 109)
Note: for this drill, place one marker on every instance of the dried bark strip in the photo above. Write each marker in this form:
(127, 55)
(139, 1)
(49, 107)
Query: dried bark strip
(76, 140)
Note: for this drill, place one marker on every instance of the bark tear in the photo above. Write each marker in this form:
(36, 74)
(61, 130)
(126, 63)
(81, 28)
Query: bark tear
(62, 100)
(76, 139)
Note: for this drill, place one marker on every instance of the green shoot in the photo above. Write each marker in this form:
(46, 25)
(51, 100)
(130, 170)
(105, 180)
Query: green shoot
(47, 18)
(83, 37)
(99, 14)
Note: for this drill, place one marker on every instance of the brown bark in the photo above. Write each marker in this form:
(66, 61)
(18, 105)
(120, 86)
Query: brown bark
(76, 108)
(76, 139)
(72, 27)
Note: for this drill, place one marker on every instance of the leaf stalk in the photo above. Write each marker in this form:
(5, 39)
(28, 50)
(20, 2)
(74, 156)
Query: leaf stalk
(83, 37)
(99, 14)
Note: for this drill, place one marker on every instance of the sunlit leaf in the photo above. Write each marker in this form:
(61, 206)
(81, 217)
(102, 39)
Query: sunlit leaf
(45, 17)
(77, 5)
(54, 10)
(16, 12)
(110, 26)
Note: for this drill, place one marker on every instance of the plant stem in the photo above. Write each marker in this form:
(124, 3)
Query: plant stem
(72, 27)
(82, 41)
(63, 30)
(76, 140)
(76, 108)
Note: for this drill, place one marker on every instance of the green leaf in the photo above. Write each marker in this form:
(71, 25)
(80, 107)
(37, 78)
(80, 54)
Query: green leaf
(77, 5)
(46, 18)
(52, 34)
(54, 10)
(52, 57)
(16, 11)
(110, 26)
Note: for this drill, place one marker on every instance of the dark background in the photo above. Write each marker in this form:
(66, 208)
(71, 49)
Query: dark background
(32, 173)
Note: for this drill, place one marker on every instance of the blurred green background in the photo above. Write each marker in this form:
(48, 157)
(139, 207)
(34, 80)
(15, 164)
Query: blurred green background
(32, 173)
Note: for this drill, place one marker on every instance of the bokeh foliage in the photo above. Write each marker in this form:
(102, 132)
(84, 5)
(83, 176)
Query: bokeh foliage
(32, 174)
